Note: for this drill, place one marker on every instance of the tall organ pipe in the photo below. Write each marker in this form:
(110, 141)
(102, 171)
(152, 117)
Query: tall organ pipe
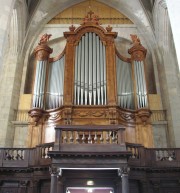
(141, 90)
(55, 88)
(124, 84)
(138, 54)
(42, 52)
(90, 71)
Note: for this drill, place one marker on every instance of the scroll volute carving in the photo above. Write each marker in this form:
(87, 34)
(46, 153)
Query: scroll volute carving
(144, 115)
(137, 51)
(36, 114)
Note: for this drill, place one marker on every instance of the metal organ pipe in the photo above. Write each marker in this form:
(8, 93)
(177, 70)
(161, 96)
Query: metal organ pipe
(54, 94)
(141, 90)
(124, 84)
(39, 85)
(90, 71)
(94, 69)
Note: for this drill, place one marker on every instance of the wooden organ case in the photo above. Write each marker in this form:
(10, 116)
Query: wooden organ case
(91, 83)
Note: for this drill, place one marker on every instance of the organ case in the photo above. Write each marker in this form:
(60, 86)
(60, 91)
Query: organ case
(91, 83)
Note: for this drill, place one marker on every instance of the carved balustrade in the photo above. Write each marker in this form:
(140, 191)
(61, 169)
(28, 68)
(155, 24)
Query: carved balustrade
(90, 138)
(25, 157)
(153, 157)
(42, 151)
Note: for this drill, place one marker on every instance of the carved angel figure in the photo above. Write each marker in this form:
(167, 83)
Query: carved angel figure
(135, 39)
(44, 38)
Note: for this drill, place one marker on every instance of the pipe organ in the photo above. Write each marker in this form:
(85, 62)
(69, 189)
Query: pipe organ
(92, 83)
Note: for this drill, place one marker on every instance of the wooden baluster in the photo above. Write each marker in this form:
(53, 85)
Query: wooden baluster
(83, 138)
(12, 154)
(107, 137)
(89, 138)
(17, 155)
(43, 152)
(101, 138)
(22, 154)
(113, 137)
(71, 139)
(46, 151)
(95, 137)
(65, 137)
(133, 152)
(77, 137)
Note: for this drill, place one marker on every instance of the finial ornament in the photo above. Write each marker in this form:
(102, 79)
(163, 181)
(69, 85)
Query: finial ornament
(91, 18)
(137, 51)
(135, 39)
(44, 39)
(72, 28)
(109, 28)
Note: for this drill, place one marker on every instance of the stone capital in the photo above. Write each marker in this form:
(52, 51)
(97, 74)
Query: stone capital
(123, 171)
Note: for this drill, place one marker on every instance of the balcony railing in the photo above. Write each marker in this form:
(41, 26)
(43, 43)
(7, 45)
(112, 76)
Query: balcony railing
(153, 157)
(157, 158)
(90, 138)
(25, 157)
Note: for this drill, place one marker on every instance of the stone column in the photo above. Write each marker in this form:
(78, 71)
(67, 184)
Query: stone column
(144, 186)
(56, 176)
(59, 181)
(33, 186)
(23, 186)
(123, 172)
(156, 186)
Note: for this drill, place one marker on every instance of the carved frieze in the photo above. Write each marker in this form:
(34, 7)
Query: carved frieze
(96, 113)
